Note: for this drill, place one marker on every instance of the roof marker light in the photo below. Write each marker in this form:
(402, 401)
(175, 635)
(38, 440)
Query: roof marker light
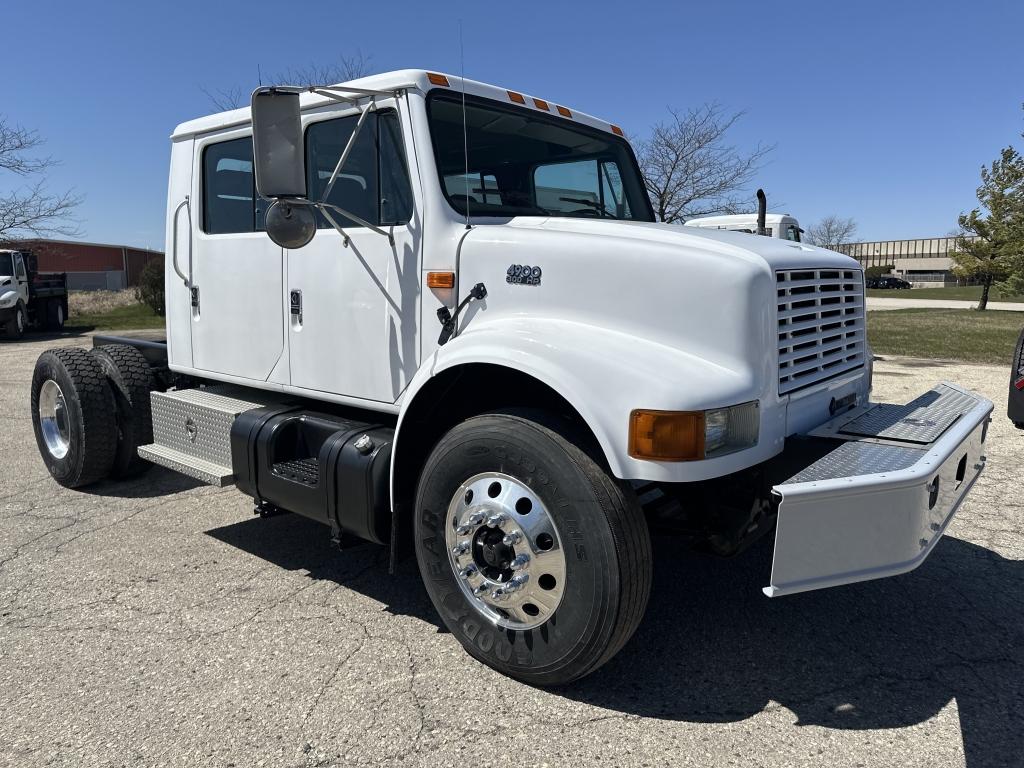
(563, 111)
(617, 131)
(518, 98)
(541, 104)
(437, 79)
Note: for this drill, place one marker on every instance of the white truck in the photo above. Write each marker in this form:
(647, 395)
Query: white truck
(29, 298)
(778, 225)
(439, 315)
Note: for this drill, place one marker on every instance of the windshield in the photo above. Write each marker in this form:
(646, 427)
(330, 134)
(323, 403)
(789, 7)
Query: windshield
(527, 163)
(6, 264)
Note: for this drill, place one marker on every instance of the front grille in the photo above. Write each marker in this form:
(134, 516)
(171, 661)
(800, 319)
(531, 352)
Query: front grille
(821, 325)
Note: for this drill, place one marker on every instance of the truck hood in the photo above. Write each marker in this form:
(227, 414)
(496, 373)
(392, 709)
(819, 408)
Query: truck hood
(774, 253)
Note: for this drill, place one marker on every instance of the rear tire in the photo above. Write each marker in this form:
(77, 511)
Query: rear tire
(73, 415)
(55, 314)
(131, 381)
(597, 524)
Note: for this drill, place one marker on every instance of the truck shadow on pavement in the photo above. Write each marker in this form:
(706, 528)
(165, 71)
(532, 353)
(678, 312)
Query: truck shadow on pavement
(712, 648)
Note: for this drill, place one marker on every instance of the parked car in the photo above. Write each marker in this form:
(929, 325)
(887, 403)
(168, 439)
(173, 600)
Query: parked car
(891, 282)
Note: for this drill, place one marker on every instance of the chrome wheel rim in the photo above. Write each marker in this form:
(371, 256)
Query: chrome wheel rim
(19, 318)
(505, 551)
(53, 419)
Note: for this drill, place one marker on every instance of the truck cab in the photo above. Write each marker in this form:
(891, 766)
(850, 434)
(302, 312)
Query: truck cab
(439, 315)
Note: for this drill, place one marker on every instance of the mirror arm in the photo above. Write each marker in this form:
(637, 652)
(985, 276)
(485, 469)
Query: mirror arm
(323, 209)
(348, 149)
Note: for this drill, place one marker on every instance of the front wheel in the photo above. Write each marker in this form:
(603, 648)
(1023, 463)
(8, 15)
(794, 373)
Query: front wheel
(16, 325)
(537, 560)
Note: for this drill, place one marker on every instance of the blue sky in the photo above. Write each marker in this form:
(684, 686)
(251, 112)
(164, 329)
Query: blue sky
(880, 111)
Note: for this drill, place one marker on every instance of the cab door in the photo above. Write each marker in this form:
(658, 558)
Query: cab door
(352, 326)
(237, 301)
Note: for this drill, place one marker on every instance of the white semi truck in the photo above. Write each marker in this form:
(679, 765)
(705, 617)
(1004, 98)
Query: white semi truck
(439, 315)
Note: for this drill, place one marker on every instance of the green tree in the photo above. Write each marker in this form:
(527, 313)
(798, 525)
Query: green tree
(990, 244)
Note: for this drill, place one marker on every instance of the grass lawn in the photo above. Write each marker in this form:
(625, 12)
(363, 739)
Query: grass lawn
(946, 334)
(968, 293)
(131, 317)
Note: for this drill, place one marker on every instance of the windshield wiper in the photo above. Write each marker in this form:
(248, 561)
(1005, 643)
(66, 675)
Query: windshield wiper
(599, 207)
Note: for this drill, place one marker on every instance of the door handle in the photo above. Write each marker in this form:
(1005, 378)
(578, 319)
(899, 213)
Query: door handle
(174, 242)
(295, 307)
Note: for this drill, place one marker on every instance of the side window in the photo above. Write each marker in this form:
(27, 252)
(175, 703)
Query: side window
(793, 233)
(395, 192)
(230, 203)
(19, 267)
(374, 182)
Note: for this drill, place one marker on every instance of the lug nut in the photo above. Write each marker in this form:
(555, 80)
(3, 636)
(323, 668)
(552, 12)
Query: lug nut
(468, 571)
(517, 582)
(462, 530)
(476, 518)
(519, 562)
(512, 538)
(479, 589)
(461, 548)
(495, 520)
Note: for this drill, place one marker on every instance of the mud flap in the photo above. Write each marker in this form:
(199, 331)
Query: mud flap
(878, 503)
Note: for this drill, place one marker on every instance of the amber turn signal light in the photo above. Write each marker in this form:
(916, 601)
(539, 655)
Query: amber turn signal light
(437, 79)
(440, 279)
(666, 435)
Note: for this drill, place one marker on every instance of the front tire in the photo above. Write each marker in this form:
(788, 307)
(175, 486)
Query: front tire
(17, 325)
(500, 490)
(73, 417)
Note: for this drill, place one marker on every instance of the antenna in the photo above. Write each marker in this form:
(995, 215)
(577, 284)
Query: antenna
(259, 74)
(465, 138)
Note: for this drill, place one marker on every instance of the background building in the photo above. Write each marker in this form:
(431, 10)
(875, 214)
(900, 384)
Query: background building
(91, 266)
(924, 262)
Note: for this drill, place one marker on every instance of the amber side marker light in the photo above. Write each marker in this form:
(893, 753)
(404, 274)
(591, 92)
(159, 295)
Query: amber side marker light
(437, 79)
(617, 131)
(563, 111)
(666, 435)
(440, 279)
(518, 98)
(541, 104)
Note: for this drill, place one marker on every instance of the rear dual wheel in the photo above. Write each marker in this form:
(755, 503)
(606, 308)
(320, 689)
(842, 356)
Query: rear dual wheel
(90, 412)
(537, 560)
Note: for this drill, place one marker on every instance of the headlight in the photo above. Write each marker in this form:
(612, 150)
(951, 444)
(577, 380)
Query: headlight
(8, 299)
(693, 435)
(731, 429)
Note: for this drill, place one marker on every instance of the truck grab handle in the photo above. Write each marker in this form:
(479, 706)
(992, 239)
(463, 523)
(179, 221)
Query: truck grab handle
(174, 242)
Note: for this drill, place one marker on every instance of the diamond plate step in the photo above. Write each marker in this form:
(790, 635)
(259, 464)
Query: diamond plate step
(204, 471)
(192, 428)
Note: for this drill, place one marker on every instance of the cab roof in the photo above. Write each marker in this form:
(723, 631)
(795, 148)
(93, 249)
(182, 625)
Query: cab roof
(418, 79)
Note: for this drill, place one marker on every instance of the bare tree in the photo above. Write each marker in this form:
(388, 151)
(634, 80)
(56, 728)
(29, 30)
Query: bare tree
(689, 167)
(831, 232)
(30, 210)
(346, 67)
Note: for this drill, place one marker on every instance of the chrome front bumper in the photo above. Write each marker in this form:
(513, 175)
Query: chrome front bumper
(878, 503)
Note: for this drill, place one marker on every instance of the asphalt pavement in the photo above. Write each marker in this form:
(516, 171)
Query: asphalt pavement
(157, 622)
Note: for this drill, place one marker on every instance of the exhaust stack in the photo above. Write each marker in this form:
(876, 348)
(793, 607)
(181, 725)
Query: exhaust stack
(762, 211)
